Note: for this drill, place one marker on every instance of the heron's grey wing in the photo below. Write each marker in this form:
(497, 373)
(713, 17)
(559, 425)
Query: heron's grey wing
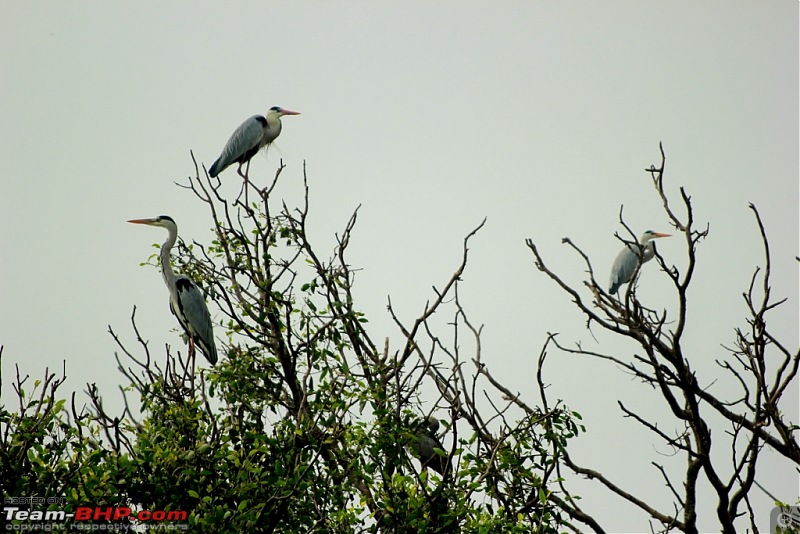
(196, 318)
(246, 137)
(181, 318)
(623, 268)
(428, 455)
(424, 448)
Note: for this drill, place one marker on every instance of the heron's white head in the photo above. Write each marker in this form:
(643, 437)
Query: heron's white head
(164, 221)
(648, 235)
(277, 112)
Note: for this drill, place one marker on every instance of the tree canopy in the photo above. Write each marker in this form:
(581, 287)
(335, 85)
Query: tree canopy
(310, 424)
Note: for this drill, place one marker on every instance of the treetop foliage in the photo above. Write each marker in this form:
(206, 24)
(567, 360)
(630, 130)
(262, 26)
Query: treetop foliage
(308, 424)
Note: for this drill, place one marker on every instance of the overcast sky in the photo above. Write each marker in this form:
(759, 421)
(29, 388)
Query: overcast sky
(540, 116)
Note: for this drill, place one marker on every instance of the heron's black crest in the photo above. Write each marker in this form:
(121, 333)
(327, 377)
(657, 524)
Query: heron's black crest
(167, 218)
(275, 108)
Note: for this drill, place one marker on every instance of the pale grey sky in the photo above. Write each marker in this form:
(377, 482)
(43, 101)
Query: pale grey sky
(540, 116)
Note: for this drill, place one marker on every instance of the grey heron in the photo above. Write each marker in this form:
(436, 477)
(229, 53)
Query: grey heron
(185, 299)
(425, 445)
(251, 136)
(628, 259)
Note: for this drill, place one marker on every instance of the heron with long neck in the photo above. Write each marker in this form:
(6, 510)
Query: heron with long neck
(628, 259)
(251, 136)
(185, 299)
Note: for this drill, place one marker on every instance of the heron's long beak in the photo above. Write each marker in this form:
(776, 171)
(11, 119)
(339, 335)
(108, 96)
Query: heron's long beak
(289, 112)
(142, 221)
(657, 234)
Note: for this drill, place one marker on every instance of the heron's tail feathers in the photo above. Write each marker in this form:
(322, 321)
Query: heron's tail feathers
(216, 168)
(209, 351)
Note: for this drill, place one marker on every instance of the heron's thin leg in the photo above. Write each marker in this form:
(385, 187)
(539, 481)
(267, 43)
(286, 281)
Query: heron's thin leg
(246, 182)
(191, 359)
(194, 359)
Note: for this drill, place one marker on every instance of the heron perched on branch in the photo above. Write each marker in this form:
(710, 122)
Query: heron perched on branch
(185, 299)
(425, 445)
(628, 259)
(251, 136)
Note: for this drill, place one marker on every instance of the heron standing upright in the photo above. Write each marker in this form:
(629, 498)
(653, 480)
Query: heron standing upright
(251, 136)
(185, 299)
(628, 259)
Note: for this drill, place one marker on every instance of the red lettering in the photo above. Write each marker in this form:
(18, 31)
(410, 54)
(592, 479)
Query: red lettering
(121, 512)
(159, 515)
(83, 513)
(178, 515)
(144, 515)
(100, 514)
